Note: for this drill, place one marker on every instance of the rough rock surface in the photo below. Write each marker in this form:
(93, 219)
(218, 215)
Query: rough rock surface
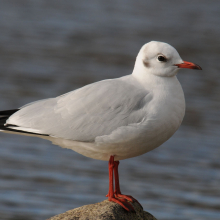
(104, 211)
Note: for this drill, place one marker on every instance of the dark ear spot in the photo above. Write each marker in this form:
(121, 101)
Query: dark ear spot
(146, 63)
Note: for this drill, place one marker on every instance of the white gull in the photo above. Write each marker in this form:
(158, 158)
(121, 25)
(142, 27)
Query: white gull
(113, 119)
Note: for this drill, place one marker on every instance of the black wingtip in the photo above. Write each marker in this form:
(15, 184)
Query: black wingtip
(7, 113)
(4, 115)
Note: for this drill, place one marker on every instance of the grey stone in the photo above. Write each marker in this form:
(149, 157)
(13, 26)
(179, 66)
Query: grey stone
(104, 211)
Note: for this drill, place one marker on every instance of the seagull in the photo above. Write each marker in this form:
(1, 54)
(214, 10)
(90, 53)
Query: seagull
(113, 119)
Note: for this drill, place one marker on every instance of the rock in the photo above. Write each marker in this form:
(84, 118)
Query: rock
(104, 211)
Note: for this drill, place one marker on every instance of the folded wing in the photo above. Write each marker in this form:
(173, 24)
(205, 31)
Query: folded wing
(84, 114)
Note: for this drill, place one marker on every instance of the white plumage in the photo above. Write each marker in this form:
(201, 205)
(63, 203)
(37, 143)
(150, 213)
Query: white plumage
(125, 117)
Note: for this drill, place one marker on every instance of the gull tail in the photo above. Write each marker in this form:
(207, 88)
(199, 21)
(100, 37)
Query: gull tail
(9, 128)
(4, 115)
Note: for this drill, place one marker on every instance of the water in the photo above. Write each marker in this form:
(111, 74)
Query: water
(48, 48)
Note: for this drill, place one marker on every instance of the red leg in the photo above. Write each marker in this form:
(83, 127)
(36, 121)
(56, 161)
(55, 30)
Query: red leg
(117, 191)
(122, 202)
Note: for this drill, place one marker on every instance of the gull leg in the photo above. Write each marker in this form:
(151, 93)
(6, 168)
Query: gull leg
(111, 197)
(117, 191)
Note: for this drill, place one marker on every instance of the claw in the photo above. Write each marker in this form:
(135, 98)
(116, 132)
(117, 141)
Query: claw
(122, 202)
(128, 198)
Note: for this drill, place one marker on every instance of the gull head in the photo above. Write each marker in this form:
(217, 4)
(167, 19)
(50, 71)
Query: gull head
(161, 59)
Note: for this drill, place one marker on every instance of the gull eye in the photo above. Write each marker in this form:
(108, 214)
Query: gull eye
(161, 58)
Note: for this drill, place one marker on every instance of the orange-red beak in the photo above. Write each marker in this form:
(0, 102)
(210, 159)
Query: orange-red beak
(188, 65)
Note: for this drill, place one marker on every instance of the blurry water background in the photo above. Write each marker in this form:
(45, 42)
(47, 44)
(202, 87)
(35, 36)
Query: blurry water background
(48, 48)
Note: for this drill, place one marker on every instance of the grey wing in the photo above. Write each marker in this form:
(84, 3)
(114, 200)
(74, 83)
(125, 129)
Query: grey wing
(84, 114)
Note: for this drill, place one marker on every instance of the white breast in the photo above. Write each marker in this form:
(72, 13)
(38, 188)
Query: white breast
(164, 115)
(166, 111)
